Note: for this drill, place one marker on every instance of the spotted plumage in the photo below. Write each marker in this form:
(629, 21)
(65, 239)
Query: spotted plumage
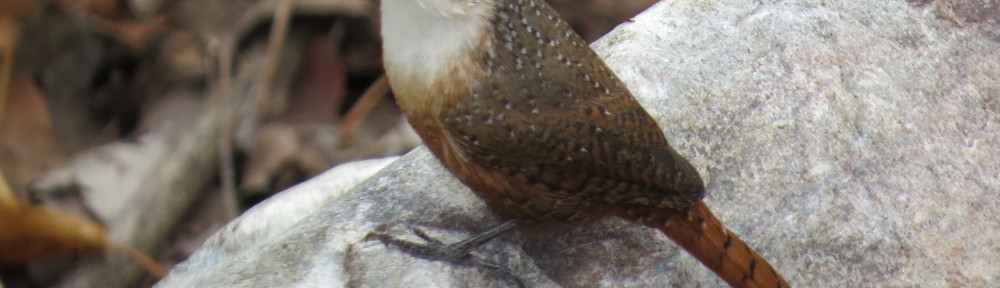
(519, 108)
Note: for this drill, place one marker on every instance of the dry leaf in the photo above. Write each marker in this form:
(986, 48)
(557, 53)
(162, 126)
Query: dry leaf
(10, 32)
(18, 9)
(7, 199)
(27, 142)
(30, 232)
(321, 89)
(137, 35)
(27, 147)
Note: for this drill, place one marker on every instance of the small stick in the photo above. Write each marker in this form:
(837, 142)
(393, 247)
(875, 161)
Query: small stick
(362, 108)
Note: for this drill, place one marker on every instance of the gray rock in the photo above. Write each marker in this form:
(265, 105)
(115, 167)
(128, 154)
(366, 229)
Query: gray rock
(852, 143)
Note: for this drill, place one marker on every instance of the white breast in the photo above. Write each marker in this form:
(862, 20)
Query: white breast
(421, 36)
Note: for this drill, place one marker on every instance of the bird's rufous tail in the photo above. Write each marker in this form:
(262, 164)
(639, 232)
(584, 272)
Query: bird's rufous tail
(698, 231)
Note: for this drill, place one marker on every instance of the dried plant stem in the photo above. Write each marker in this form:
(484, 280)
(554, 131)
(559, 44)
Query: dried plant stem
(227, 173)
(362, 108)
(279, 31)
(154, 268)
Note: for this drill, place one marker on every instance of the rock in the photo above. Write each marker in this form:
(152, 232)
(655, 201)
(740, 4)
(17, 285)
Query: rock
(851, 143)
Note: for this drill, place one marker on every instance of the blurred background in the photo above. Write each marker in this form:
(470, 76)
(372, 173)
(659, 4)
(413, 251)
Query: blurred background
(138, 127)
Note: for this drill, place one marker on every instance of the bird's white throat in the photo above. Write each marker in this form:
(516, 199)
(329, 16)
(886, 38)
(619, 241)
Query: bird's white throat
(421, 36)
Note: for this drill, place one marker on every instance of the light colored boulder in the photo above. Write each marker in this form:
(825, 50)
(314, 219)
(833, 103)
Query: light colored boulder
(852, 143)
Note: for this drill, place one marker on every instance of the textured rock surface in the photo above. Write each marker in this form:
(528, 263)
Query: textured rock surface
(851, 143)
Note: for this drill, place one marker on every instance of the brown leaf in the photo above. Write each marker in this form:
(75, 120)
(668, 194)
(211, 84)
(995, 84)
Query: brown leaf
(18, 9)
(30, 232)
(137, 35)
(27, 142)
(27, 147)
(7, 199)
(10, 31)
(320, 92)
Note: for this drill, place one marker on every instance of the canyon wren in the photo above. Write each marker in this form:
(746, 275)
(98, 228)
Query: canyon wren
(519, 108)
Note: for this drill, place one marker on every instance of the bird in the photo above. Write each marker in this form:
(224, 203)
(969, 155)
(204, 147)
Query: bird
(517, 107)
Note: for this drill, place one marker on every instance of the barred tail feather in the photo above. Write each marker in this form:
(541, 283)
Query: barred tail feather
(698, 231)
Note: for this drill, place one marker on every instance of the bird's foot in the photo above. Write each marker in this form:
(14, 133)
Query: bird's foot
(457, 253)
